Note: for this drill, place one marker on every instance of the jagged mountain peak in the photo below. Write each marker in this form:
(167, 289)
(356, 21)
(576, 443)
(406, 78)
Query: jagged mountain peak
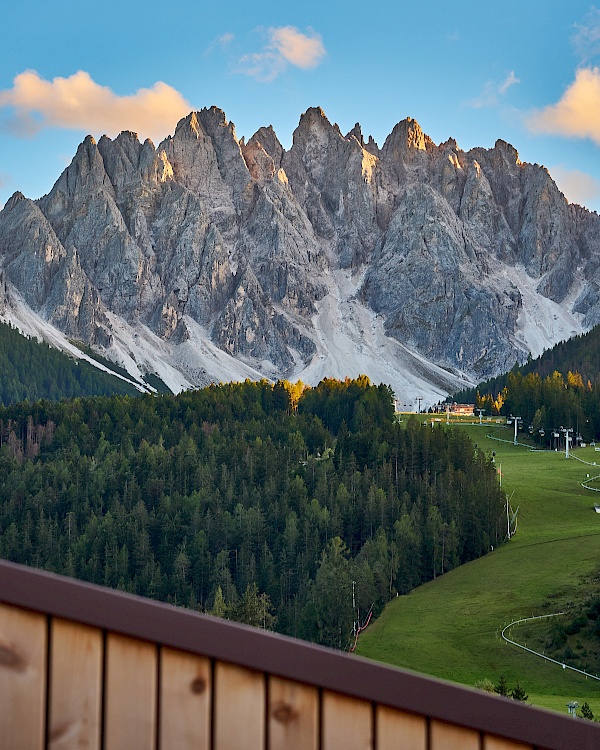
(188, 126)
(85, 175)
(202, 123)
(312, 116)
(405, 137)
(315, 134)
(14, 199)
(127, 136)
(508, 152)
(419, 264)
(269, 141)
(356, 132)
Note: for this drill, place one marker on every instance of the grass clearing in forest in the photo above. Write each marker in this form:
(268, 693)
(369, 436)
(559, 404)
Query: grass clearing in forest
(450, 627)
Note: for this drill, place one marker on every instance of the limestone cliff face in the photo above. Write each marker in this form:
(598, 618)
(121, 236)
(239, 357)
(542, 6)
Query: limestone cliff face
(32, 253)
(247, 241)
(332, 178)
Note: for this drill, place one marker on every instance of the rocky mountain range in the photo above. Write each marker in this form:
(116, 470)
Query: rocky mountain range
(213, 258)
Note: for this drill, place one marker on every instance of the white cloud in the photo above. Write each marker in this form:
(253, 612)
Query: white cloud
(79, 103)
(223, 43)
(493, 91)
(264, 66)
(286, 46)
(578, 187)
(297, 48)
(577, 114)
(586, 39)
(509, 81)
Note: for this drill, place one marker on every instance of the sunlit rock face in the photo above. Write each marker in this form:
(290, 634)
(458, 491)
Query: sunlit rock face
(449, 252)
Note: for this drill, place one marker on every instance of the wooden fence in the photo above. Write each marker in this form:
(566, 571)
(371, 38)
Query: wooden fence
(86, 667)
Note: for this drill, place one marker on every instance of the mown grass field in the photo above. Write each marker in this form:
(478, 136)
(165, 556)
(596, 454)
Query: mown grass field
(451, 627)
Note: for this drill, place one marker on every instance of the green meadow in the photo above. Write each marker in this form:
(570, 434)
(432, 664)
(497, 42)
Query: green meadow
(450, 627)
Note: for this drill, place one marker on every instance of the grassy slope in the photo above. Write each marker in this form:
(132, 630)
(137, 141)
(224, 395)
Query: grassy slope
(451, 627)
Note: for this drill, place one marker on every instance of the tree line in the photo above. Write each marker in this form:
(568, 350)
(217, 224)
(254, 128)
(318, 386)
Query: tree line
(546, 405)
(561, 388)
(33, 370)
(288, 508)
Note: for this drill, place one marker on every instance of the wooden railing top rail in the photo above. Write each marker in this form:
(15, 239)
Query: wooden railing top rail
(291, 659)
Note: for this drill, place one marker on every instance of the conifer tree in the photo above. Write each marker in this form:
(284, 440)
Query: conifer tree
(501, 686)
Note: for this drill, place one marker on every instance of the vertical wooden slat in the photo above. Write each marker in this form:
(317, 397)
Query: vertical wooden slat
(75, 686)
(397, 730)
(185, 687)
(23, 649)
(239, 708)
(130, 694)
(293, 716)
(347, 723)
(23, 644)
(450, 737)
(497, 743)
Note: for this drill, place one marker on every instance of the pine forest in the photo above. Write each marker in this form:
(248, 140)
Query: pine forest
(295, 509)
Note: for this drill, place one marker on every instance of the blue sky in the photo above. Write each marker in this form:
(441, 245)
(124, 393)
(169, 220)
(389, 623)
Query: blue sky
(526, 71)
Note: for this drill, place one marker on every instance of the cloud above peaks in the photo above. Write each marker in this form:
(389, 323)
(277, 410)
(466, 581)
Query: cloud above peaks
(297, 48)
(509, 81)
(577, 114)
(286, 46)
(586, 39)
(577, 186)
(493, 91)
(79, 103)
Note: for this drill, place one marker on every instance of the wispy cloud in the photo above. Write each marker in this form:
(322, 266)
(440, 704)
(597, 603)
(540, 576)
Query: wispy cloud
(586, 39)
(264, 66)
(286, 46)
(493, 91)
(509, 81)
(79, 103)
(222, 42)
(225, 39)
(577, 114)
(577, 186)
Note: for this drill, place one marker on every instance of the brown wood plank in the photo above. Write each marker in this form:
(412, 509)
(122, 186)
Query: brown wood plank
(185, 684)
(347, 723)
(75, 686)
(497, 743)
(293, 716)
(450, 737)
(130, 699)
(239, 708)
(185, 630)
(397, 730)
(23, 644)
